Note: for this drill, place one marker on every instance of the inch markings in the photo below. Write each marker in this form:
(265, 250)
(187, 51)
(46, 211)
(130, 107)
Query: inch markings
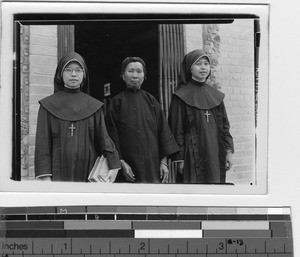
(106, 231)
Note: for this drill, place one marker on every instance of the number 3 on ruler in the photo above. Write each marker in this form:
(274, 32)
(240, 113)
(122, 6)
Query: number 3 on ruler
(221, 246)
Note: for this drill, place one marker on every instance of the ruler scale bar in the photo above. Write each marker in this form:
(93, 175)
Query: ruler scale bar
(129, 231)
(146, 246)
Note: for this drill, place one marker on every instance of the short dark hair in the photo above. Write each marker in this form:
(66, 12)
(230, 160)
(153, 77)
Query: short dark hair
(128, 60)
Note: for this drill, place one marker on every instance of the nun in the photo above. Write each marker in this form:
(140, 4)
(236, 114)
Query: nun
(200, 124)
(71, 131)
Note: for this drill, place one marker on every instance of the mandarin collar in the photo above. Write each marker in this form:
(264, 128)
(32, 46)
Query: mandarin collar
(132, 90)
(72, 90)
(198, 83)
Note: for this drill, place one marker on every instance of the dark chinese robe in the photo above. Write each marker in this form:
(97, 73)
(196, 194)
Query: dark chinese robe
(141, 134)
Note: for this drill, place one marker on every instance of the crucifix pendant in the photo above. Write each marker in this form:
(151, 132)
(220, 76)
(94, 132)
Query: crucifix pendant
(207, 114)
(72, 129)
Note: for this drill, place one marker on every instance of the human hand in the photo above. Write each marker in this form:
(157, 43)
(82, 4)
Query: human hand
(229, 161)
(127, 171)
(164, 173)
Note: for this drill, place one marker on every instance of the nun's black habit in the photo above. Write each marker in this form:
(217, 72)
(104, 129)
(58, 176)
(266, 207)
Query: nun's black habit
(200, 126)
(71, 132)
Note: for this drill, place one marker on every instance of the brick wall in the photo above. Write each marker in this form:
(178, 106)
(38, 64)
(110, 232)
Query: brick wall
(235, 73)
(43, 62)
(193, 37)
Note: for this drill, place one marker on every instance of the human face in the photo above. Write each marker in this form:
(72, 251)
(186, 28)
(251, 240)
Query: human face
(73, 75)
(134, 75)
(201, 69)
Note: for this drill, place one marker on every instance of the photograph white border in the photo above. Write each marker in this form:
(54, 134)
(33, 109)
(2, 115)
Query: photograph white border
(7, 58)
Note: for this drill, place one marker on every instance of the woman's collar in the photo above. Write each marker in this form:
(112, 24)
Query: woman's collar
(133, 90)
(72, 90)
(198, 80)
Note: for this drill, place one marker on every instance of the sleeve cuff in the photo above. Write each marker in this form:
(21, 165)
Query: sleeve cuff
(113, 161)
(44, 175)
(177, 161)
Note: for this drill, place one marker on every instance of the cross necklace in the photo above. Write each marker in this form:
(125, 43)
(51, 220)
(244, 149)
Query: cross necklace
(72, 129)
(207, 114)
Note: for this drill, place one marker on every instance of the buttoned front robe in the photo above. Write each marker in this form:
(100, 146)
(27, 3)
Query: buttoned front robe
(137, 125)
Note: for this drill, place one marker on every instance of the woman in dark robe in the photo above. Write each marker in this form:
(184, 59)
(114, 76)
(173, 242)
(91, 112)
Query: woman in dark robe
(200, 124)
(137, 125)
(71, 131)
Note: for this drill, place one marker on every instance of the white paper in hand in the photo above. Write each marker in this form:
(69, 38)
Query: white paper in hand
(101, 173)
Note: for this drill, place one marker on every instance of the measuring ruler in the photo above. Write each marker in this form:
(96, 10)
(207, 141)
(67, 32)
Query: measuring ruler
(139, 231)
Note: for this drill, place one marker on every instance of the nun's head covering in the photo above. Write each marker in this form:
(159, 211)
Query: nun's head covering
(188, 61)
(64, 61)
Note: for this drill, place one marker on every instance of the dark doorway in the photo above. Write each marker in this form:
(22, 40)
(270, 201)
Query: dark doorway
(104, 46)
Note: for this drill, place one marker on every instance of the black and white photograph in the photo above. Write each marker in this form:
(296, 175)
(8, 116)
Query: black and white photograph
(145, 127)
(106, 99)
